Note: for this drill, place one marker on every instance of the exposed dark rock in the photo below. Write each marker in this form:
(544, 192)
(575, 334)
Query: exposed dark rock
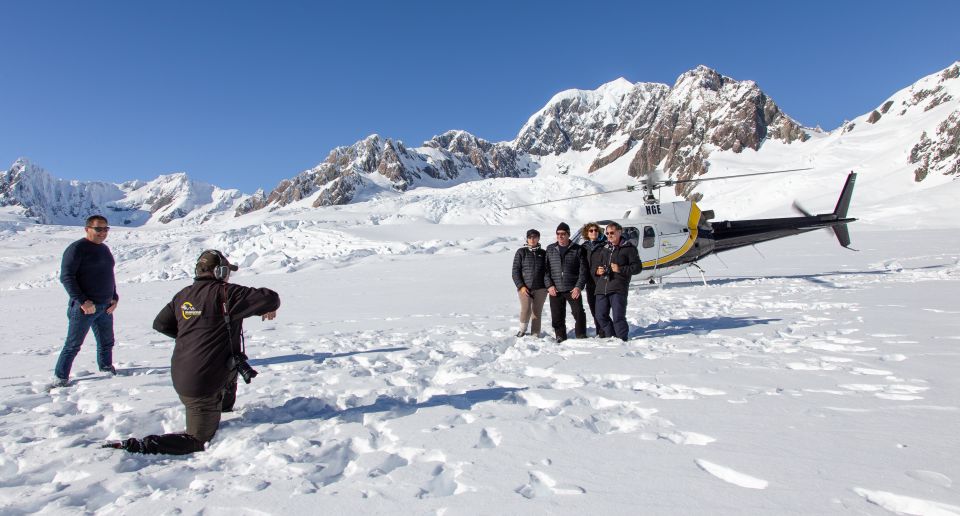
(886, 107)
(940, 153)
(603, 161)
(706, 107)
(874, 117)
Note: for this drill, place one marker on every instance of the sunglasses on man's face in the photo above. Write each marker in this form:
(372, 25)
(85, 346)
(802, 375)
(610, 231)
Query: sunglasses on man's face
(612, 232)
(562, 233)
(99, 229)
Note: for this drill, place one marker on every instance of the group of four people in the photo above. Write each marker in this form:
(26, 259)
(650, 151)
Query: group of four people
(602, 266)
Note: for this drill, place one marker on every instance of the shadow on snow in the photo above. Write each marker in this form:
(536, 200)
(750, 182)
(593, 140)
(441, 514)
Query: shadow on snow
(817, 278)
(696, 326)
(302, 408)
(316, 357)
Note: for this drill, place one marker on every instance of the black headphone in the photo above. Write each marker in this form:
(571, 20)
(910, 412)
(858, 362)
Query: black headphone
(222, 270)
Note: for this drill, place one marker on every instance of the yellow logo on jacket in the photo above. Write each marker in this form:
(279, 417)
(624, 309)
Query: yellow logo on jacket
(188, 311)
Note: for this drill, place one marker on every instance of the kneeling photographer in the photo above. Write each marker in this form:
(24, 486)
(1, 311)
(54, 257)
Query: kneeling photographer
(206, 319)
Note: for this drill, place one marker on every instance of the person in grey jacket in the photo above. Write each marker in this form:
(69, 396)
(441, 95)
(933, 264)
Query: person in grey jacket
(612, 266)
(565, 278)
(528, 270)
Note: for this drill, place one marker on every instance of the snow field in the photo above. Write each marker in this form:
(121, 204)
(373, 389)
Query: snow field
(814, 380)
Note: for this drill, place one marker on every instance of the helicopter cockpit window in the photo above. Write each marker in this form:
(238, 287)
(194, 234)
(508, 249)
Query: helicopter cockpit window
(631, 234)
(649, 236)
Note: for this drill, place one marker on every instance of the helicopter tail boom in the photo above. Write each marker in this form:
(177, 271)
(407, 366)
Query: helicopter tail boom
(738, 233)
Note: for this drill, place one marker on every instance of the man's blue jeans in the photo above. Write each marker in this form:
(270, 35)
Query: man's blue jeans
(79, 324)
(615, 325)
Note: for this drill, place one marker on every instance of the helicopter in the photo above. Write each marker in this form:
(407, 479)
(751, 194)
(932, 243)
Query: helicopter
(673, 236)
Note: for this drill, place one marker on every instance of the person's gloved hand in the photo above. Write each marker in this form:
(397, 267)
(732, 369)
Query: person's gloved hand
(132, 445)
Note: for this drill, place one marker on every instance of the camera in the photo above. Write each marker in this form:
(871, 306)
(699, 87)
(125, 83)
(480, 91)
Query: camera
(239, 362)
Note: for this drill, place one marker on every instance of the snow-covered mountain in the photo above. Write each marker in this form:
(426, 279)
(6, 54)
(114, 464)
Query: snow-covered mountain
(679, 130)
(704, 122)
(49, 200)
(375, 164)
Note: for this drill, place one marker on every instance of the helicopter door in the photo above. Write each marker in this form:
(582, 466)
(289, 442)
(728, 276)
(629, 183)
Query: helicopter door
(646, 238)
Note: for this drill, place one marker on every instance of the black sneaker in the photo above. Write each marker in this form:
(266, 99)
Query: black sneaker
(521, 333)
(112, 371)
(59, 382)
(561, 337)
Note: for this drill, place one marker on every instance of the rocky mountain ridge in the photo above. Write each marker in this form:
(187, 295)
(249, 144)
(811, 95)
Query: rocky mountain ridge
(642, 126)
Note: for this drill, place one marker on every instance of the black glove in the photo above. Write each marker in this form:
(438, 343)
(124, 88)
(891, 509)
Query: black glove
(131, 445)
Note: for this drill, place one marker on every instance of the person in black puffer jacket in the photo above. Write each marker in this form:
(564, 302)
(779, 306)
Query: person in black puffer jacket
(565, 278)
(528, 270)
(612, 266)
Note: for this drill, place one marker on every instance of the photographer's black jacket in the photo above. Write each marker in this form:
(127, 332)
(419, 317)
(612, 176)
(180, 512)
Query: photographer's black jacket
(628, 261)
(195, 319)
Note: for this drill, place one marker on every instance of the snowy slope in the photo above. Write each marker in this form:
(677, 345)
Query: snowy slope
(813, 381)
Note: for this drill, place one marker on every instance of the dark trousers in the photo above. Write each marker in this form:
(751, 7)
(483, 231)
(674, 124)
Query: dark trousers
(78, 325)
(203, 413)
(615, 324)
(203, 420)
(558, 314)
(592, 302)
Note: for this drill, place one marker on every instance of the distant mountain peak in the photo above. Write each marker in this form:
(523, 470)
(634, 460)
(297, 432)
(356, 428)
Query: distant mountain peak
(57, 201)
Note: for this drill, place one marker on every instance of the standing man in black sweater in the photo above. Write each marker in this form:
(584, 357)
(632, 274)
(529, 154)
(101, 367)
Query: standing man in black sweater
(206, 319)
(87, 274)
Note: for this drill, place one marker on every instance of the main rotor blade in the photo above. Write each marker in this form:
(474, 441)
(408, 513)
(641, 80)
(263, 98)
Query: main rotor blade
(627, 189)
(671, 182)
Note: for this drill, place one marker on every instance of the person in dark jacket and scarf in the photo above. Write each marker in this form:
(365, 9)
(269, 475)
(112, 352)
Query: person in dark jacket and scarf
(206, 319)
(592, 239)
(528, 269)
(565, 278)
(612, 266)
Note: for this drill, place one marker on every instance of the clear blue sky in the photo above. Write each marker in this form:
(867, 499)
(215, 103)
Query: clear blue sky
(244, 94)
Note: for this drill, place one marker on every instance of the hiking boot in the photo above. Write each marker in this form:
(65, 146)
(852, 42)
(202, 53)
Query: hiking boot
(561, 337)
(59, 382)
(521, 333)
(112, 371)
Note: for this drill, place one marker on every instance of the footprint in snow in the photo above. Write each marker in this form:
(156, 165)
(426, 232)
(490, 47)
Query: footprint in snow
(443, 483)
(901, 504)
(931, 477)
(489, 438)
(541, 485)
(731, 476)
(687, 438)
